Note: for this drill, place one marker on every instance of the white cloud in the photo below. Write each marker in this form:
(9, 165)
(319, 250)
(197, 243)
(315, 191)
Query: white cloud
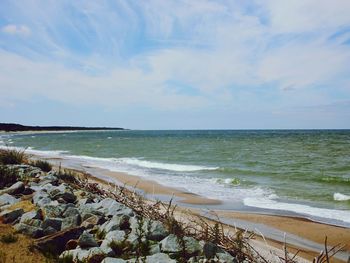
(21, 30)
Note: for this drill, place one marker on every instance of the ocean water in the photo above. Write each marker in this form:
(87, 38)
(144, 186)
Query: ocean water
(302, 171)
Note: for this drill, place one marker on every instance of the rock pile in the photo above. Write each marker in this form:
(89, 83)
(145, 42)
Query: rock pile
(80, 226)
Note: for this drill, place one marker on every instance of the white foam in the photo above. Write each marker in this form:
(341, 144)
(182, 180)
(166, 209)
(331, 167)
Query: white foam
(341, 197)
(269, 203)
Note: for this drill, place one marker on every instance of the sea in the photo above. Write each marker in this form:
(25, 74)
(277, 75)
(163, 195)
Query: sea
(300, 172)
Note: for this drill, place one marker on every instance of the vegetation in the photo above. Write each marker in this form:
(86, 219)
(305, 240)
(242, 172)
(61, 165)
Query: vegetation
(8, 176)
(12, 156)
(43, 165)
(8, 238)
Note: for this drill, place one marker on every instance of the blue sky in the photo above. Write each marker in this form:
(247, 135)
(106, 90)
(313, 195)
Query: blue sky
(184, 64)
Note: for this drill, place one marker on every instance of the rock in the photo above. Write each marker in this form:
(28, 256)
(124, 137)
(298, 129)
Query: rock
(113, 260)
(155, 249)
(87, 240)
(32, 222)
(92, 221)
(41, 198)
(55, 223)
(116, 223)
(28, 230)
(71, 244)
(170, 244)
(83, 255)
(72, 221)
(54, 210)
(71, 211)
(66, 196)
(6, 199)
(209, 250)
(32, 215)
(157, 231)
(9, 216)
(49, 231)
(117, 236)
(15, 189)
(27, 191)
(56, 243)
(225, 258)
(159, 258)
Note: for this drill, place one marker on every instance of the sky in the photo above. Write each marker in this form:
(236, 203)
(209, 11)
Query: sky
(184, 64)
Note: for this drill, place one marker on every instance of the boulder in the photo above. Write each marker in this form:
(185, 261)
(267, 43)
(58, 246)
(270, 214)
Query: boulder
(171, 244)
(27, 191)
(71, 211)
(116, 223)
(159, 258)
(66, 196)
(15, 189)
(87, 240)
(113, 260)
(32, 215)
(92, 221)
(226, 258)
(32, 222)
(83, 255)
(55, 223)
(28, 230)
(117, 236)
(157, 231)
(49, 231)
(72, 221)
(6, 199)
(56, 243)
(9, 216)
(209, 250)
(55, 211)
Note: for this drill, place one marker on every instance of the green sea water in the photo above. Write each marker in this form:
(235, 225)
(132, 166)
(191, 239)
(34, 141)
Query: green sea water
(303, 171)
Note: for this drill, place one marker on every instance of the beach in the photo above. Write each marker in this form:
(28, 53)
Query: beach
(274, 218)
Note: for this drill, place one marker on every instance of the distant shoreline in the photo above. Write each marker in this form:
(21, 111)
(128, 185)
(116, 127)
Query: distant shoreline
(14, 127)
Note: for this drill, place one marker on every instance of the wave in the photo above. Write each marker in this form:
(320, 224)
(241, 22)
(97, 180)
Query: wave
(341, 197)
(335, 180)
(270, 203)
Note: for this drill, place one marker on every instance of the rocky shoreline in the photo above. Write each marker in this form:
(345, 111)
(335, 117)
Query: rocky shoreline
(72, 220)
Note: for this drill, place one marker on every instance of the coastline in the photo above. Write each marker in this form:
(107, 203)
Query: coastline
(309, 233)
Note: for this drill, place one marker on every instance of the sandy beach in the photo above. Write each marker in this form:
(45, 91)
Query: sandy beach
(303, 228)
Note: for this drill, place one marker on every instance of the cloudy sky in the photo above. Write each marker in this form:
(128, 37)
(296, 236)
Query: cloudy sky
(184, 64)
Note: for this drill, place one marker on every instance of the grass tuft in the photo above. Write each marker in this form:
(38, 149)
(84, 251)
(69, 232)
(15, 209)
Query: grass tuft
(12, 156)
(8, 176)
(8, 238)
(43, 165)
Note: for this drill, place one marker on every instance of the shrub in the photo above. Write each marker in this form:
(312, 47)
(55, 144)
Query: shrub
(68, 176)
(8, 176)
(43, 165)
(8, 238)
(120, 248)
(12, 156)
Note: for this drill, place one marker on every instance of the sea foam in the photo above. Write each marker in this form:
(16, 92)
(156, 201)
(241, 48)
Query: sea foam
(341, 197)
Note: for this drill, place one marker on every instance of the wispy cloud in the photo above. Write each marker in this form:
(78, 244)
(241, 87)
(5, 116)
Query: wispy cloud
(20, 30)
(174, 55)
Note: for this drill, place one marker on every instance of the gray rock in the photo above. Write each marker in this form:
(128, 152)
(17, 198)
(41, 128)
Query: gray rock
(49, 231)
(116, 236)
(66, 196)
(28, 230)
(15, 189)
(55, 223)
(170, 244)
(80, 254)
(226, 258)
(155, 249)
(106, 248)
(209, 250)
(71, 211)
(72, 221)
(41, 198)
(92, 221)
(157, 231)
(87, 240)
(32, 222)
(6, 199)
(9, 216)
(116, 223)
(113, 260)
(159, 258)
(32, 215)
(27, 191)
(56, 211)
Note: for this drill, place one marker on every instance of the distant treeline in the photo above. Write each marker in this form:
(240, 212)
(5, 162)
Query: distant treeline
(12, 127)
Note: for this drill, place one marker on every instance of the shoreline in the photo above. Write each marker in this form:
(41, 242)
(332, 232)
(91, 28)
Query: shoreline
(302, 234)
